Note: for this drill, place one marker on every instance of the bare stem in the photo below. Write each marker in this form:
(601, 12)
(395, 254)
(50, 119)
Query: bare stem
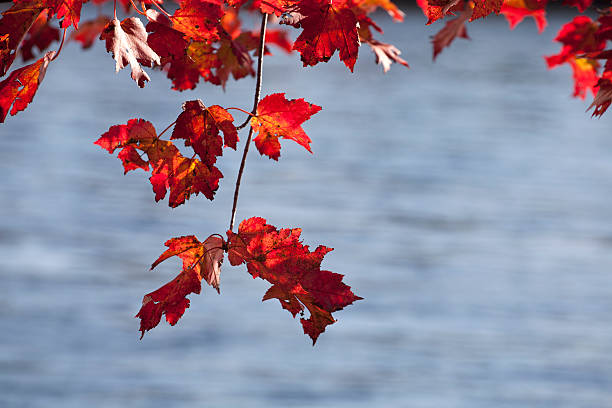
(260, 55)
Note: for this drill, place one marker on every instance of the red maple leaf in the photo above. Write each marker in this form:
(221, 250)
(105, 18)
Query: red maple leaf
(19, 88)
(585, 76)
(369, 6)
(199, 126)
(516, 10)
(90, 31)
(578, 37)
(452, 29)
(14, 25)
(40, 35)
(435, 10)
(328, 26)
(69, 11)
(279, 257)
(201, 260)
(170, 170)
(198, 19)
(127, 40)
(581, 5)
(278, 117)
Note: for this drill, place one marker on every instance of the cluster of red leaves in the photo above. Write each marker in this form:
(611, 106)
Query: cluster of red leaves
(204, 40)
(277, 256)
(200, 127)
(583, 44)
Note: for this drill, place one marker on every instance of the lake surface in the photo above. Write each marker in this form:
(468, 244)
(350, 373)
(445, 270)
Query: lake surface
(468, 202)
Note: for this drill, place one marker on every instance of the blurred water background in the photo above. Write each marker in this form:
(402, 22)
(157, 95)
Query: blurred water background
(468, 202)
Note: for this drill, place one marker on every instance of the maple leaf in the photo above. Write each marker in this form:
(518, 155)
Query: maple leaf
(14, 25)
(581, 5)
(19, 88)
(386, 54)
(172, 47)
(90, 31)
(578, 37)
(585, 76)
(327, 27)
(69, 11)
(277, 7)
(170, 170)
(452, 29)
(516, 10)
(279, 117)
(201, 260)
(40, 35)
(483, 8)
(369, 6)
(198, 19)
(279, 257)
(435, 10)
(199, 126)
(127, 40)
(233, 57)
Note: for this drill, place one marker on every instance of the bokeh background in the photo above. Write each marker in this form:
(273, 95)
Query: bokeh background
(468, 201)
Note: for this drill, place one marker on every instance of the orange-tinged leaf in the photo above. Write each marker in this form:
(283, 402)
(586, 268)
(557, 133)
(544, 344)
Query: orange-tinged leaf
(19, 88)
(278, 117)
(328, 27)
(369, 6)
(299, 284)
(585, 76)
(198, 19)
(127, 40)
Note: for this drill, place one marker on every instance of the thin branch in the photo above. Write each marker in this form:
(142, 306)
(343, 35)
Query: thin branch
(260, 56)
(61, 45)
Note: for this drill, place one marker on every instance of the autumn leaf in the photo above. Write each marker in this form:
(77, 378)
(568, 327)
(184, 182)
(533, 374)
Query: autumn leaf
(198, 19)
(585, 76)
(516, 10)
(201, 261)
(578, 37)
(68, 11)
(327, 27)
(127, 40)
(200, 126)
(386, 54)
(90, 31)
(435, 10)
(280, 117)
(369, 6)
(298, 283)
(19, 88)
(174, 50)
(452, 29)
(581, 5)
(14, 25)
(40, 35)
(170, 170)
